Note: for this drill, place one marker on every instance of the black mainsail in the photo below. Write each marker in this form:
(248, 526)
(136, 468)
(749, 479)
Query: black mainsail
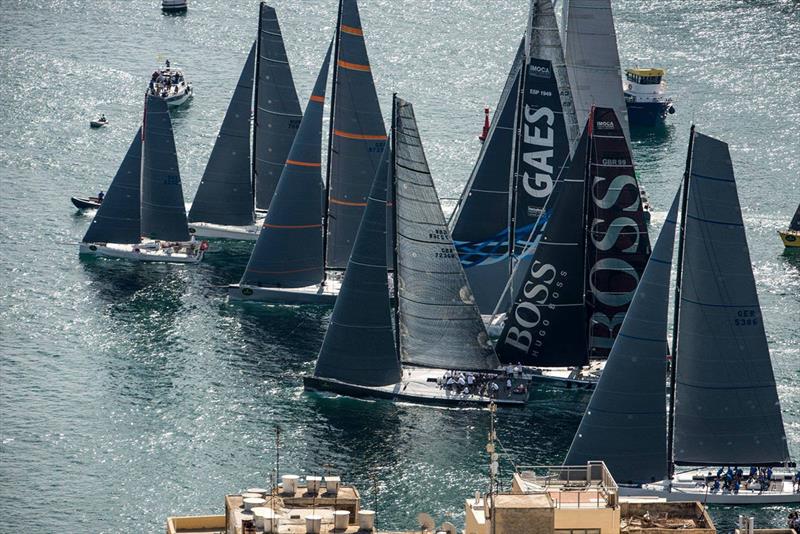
(359, 345)
(277, 113)
(357, 138)
(225, 194)
(288, 252)
(163, 211)
(438, 322)
(118, 218)
(727, 410)
(795, 224)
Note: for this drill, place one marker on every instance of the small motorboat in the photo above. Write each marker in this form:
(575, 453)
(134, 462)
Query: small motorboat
(646, 97)
(99, 123)
(170, 84)
(88, 203)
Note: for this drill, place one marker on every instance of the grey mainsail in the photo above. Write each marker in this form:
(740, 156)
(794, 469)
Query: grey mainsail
(540, 327)
(358, 136)
(359, 345)
(625, 421)
(163, 210)
(727, 410)
(225, 194)
(795, 224)
(277, 114)
(481, 219)
(439, 324)
(590, 50)
(118, 218)
(288, 252)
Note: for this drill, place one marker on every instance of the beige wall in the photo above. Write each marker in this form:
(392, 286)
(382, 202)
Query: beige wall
(606, 519)
(529, 521)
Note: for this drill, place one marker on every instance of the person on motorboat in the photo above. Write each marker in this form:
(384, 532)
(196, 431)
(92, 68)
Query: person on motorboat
(100, 196)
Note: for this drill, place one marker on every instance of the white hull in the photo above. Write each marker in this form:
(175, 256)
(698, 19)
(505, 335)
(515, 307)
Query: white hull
(220, 231)
(418, 386)
(321, 294)
(139, 253)
(690, 486)
(178, 99)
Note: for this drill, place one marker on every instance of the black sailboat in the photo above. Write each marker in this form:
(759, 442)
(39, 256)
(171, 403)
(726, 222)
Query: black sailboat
(724, 408)
(436, 324)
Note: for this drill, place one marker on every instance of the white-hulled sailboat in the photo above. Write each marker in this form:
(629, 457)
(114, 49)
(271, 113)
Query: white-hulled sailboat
(284, 267)
(142, 217)
(724, 408)
(371, 351)
(235, 190)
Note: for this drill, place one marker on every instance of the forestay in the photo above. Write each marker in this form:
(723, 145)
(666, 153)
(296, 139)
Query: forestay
(626, 419)
(118, 218)
(225, 194)
(163, 211)
(439, 323)
(359, 345)
(726, 404)
(277, 114)
(358, 136)
(288, 252)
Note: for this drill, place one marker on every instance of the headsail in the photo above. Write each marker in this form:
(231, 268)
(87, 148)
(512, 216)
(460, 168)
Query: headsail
(545, 326)
(481, 220)
(590, 50)
(618, 244)
(625, 421)
(359, 345)
(727, 410)
(439, 323)
(277, 114)
(358, 137)
(163, 210)
(288, 252)
(118, 218)
(225, 194)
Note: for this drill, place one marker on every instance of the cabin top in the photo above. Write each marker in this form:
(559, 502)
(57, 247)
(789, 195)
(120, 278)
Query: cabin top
(645, 76)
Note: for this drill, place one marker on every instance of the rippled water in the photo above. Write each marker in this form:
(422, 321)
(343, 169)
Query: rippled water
(131, 392)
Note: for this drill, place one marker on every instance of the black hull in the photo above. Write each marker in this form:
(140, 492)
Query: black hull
(85, 203)
(647, 114)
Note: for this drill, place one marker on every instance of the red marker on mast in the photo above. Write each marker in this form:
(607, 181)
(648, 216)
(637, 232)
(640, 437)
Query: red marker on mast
(483, 135)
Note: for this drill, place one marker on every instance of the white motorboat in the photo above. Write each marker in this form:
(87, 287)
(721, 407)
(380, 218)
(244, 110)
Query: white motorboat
(170, 84)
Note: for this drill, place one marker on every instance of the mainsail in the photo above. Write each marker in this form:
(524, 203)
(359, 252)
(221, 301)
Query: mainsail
(163, 211)
(625, 421)
(727, 410)
(277, 114)
(590, 50)
(225, 194)
(439, 324)
(540, 329)
(359, 345)
(118, 218)
(288, 252)
(481, 220)
(795, 224)
(618, 244)
(357, 138)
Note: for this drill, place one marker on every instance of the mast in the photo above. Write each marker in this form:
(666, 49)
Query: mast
(393, 178)
(676, 314)
(330, 141)
(255, 106)
(587, 187)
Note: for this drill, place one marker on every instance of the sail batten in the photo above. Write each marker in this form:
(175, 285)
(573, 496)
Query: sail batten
(288, 252)
(118, 219)
(225, 194)
(162, 207)
(277, 112)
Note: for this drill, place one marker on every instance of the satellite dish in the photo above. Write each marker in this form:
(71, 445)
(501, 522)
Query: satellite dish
(448, 527)
(425, 521)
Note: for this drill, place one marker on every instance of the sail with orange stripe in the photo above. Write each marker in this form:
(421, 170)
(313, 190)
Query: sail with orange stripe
(358, 136)
(277, 113)
(288, 252)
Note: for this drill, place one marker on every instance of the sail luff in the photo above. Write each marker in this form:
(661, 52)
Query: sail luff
(118, 219)
(440, 324)
(225, 194)
(162, 207)
(288, 252)
(277, 113)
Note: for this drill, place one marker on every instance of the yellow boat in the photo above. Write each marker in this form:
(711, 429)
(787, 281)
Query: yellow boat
(791, 236)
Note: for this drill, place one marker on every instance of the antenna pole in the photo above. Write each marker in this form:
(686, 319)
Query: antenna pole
(277, 453)
(394, 226)
(330, 144)
(253, 172)
(676, 314)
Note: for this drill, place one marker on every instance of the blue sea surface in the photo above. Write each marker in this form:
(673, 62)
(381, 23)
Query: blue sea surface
(132, 392)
